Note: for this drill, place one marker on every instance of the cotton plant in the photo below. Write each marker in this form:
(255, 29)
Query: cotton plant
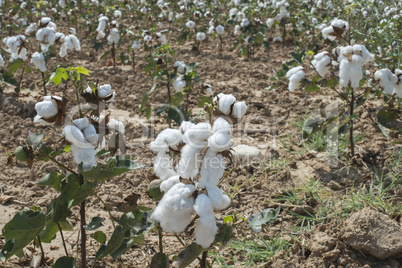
(46, 34)
(68, 42)
(83, 138)
(229, 107)
(190, 163)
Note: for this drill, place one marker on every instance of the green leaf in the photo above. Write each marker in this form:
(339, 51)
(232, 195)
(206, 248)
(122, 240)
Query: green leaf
(49, 232)
(102, 153)
(99, 236)
(386, 117)
(384, 130)
(105, 55)
(53, 179)
(65, 262)
(130, 238)
(333, 81)
(148, 112)
(204, 100)
(187, 256)
(259, 219)
(144, 101)
(114, 243)
(191, 66)
(95, 223)
(116, 165)
(83, 192)
(15, 65)
(312, 88)
(22, 229)
(267, 45)
(298, 57)
(159, 260)
(225, 233)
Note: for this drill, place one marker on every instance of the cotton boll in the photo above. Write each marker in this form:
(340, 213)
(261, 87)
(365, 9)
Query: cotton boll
(197, 133)
(237, 30)
(185, 125)
(175, 208)
(32, 28)
(386, 80)
(104, 90)
(211, 29)
(326, 33)
(81, 123)
(73, 135)
(218, 199)
(200, 36)
(270, 22)
(136, 45)
(189, 163)
(169, 183)
(39, 61)
(114, 36)
(219, 142)
(1, 61)
(90, 134)
(179, 84)
(212, 169)
(86, 156)
(322, 63)
(225, 103)
(116, 125)
(167, 138)
(206, 227)
(75, 42)
(221, 125)
(295, 75)
(339, 24)
(47, 108)
(367, 56)
(239, 109)
(100, 35)
(190, 24)
(181, 67)
(244, 23)
(63, 50)
(47, 37)
(102, 24)
(220, 29)
(350, 67)
(161, 38)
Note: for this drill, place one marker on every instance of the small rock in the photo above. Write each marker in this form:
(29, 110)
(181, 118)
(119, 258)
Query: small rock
(245, 154)
(374, 233)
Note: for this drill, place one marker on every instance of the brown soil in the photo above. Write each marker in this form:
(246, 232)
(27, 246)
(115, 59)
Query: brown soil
(266, 125)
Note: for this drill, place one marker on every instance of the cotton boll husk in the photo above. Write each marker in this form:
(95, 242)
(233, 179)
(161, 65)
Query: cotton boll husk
(73, 135)
(219, 142)
(386, 80)
(221, 125)
(90, 134)
(225, 102)
(197, 133)
(218, 199)
(295, 76)
(163, 166)
(167, 138)
(169, 183)
(322, 63)
(39, 61)
(212, 169)
(46, 108)
(239, 109)
(85, 156)
(175, 209)
(206, 226)
(190, 161)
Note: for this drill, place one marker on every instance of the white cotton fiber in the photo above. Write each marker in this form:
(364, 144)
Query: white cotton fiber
(73, 135)
(39, 61)
(189, 163)
(86, 156)
(179, 84)
(169, 183)
(398, 84)
(81, 123)
(239, 109)
(163, 166)
(219, 142)
(175, 209)
(167, 138)
(206, 226)
(185, 125)
(295, 75)
(221, 125)
(46, 108)
(197, 133)
(212, 169)
(322, 63)
(104, 90)
(225, 102)
(116, 125)
(181, 67)
(90, 134)
(114, 36)
(218, 199)
(386, 80)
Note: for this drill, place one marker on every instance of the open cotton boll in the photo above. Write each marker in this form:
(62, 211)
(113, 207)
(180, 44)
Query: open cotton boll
(1, 61)
(386, 80)
(206, 227)
(136, 45)
(200, 36)
(220, 29)
(219, 142)
(190, 160)
(76, 45)
(197, 133)
(46, 108)
(31, 29)
(114, 36)
(339, 24)
(239, 109)
(81, 123)
(167, 138)
(225, 103)
(221, 125)
(237, 30)
(39, 61)
(161, 38)
(211, 29)
(116, 125)
(181, 67)
(185, 125)
(90, 134)
(212, 169)
(218, 199)
(46, 36)
(327, 31)
(100, 35)
(322, 63)
(163, 166)
(190, 24)
(73, 135)
(367, 56)
(175, 208)
(270, 22)
(86, 156)
(169, 183)
(179, 84)
(102, 24)
(295, 75)
(104, 90)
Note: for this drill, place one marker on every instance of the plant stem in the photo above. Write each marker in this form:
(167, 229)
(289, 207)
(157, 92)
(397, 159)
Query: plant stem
(110, 214)
(44, 83)
(41, 250)
(61, 165)
(62, 239)
(352, 145)
(203, 262)
(160, 235)
(83, 233)
(180, 240)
